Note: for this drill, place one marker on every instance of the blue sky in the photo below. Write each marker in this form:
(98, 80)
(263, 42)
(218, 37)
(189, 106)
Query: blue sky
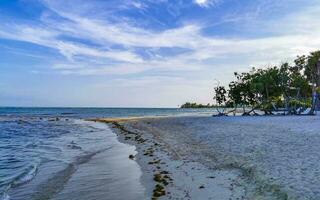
(151, 53)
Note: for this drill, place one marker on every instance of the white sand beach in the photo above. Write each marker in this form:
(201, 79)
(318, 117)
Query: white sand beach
(269, 157)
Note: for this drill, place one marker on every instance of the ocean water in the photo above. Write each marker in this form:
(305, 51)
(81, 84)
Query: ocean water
(54, 153)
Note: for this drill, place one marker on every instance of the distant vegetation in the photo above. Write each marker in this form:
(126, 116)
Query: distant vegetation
(287, 87)
(195, 105)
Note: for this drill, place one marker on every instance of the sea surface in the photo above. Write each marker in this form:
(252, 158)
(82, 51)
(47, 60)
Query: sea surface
(54, 153)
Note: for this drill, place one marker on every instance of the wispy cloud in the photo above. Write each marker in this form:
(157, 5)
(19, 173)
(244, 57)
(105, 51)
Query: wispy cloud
(153, 52)
(118, 46)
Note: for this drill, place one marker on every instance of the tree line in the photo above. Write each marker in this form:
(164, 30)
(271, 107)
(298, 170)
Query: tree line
(291, 88)
(195, 105)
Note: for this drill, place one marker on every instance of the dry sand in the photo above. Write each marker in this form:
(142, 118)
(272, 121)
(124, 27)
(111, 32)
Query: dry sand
(220, 158)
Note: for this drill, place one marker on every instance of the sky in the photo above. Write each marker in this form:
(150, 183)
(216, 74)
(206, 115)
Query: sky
(150, 53)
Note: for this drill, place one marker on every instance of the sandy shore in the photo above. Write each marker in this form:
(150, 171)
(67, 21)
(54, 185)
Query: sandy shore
(226, 157)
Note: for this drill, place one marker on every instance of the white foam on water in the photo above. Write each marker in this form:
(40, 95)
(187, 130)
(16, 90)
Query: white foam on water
(29, 175)
(55, 150)
(109, 174)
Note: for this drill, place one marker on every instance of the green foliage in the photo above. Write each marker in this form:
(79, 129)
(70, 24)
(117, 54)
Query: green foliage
(299, 103)
(195, 105)
(276, 86)
(308, 65)
(220, 95)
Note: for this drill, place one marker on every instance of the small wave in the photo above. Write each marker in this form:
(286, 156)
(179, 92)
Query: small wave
(27, 176)
(18, 180)
(57, 182)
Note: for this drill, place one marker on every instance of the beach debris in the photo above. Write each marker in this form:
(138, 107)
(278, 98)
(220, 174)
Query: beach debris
(201, 187)
(122, 128)
(154, 162)
(127, 138)
(148, 152)
(167, 177)
(161, 179)
(157, 177)
(159, 191)
(139, 139)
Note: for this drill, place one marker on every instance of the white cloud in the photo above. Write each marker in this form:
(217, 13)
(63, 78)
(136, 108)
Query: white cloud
(97, 46)
(206, 3)
(201, 2)
(284, 43)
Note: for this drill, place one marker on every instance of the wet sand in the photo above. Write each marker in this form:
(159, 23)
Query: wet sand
(169, 173)
(271, 157)
(92, 164)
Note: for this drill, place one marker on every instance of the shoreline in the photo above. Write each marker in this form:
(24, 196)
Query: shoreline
(166, 173)
(225, 157)
(145, 156)
(79, 172)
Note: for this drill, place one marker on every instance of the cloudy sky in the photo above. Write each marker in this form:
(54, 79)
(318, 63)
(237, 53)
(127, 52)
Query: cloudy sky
(151, 53)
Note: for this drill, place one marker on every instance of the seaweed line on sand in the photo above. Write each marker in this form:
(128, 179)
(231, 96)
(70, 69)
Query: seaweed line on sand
(262, 188)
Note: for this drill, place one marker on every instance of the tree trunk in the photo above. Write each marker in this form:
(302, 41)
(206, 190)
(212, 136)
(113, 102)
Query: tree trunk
(314, 101)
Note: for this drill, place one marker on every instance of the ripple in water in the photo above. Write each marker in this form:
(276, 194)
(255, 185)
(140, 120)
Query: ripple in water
(42, 158)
